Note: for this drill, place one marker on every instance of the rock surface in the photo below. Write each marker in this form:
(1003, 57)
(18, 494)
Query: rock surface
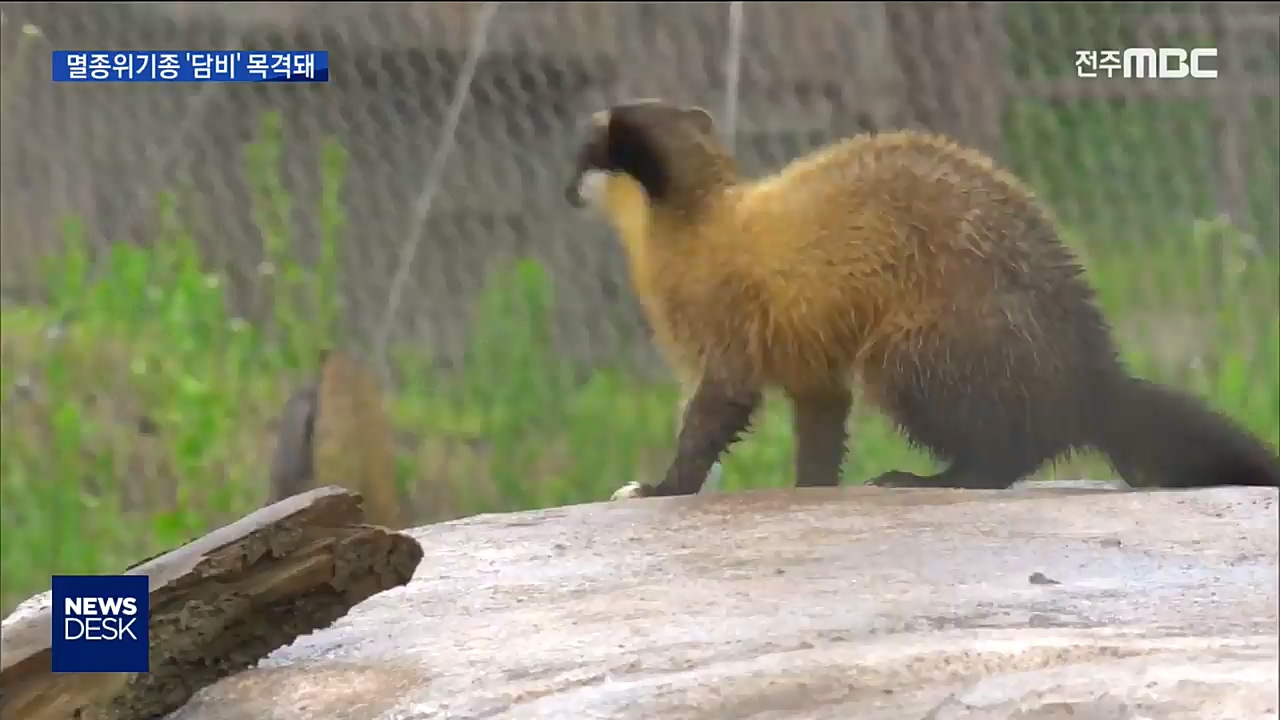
(823, 604)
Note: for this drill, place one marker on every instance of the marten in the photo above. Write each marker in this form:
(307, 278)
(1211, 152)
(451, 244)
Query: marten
(901, 260)
(335, 431)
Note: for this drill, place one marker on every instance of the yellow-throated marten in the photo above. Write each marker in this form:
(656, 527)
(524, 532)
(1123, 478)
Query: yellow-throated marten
(335, 431)
(900, 259)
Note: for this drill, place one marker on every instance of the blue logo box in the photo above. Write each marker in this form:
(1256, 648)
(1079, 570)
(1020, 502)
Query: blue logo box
(190, 66)
(101, 623)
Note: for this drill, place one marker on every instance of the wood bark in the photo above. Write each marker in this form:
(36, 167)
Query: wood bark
(219, 604)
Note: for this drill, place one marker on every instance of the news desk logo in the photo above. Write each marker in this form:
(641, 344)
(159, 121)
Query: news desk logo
(100, 623)
(1143, 63)
(189, 66)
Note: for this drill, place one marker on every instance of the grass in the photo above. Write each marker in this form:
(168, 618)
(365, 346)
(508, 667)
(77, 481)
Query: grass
(136, 412)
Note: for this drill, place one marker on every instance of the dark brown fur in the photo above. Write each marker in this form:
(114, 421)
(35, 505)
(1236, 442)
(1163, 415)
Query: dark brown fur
(906, 261)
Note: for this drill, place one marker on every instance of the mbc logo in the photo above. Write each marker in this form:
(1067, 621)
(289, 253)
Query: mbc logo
(1168, 63)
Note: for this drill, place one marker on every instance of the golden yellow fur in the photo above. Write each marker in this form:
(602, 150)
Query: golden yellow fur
(812, 305)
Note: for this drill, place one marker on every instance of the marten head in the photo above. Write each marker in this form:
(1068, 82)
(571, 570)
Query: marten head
(664, 153)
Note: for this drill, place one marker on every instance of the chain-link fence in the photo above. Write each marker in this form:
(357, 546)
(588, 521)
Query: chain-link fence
(1002, 77)
(1169, 188)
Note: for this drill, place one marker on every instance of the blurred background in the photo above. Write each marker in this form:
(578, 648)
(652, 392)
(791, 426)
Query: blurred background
(174, 257)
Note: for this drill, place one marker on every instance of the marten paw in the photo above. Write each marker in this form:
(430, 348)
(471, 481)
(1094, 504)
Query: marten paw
(901, 479)
(632, 490)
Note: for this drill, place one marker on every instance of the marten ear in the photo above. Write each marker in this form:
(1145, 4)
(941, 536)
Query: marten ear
(701, 119)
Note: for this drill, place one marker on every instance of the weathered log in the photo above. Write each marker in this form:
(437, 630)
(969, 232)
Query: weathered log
(218, 605)
(809, 604)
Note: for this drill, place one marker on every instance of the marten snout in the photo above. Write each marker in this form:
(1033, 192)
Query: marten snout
(587, 188)
(573, 195)
(592, 166)
(573, 192)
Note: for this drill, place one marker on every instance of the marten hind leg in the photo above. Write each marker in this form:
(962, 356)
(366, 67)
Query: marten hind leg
(959, 475)
(987, 409)
(715, 417)
(818, 427)
(988, 450)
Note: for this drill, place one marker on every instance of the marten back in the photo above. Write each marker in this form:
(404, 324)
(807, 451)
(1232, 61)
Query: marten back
(910, 262)
(840, 261)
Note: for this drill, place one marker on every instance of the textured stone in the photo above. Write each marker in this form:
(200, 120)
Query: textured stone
(843, 603)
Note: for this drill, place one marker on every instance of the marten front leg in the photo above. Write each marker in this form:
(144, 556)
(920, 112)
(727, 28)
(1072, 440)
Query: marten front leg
(716, 417)
(818, 428)
(712, 483)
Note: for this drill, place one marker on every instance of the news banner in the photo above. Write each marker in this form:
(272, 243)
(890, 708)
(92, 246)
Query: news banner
(220, 66)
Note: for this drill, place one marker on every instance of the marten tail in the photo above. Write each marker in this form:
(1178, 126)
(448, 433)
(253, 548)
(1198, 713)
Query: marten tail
(1156, 436)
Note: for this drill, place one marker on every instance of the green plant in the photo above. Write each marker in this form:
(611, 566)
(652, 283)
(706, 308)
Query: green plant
(306, 299)
(135, 404)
